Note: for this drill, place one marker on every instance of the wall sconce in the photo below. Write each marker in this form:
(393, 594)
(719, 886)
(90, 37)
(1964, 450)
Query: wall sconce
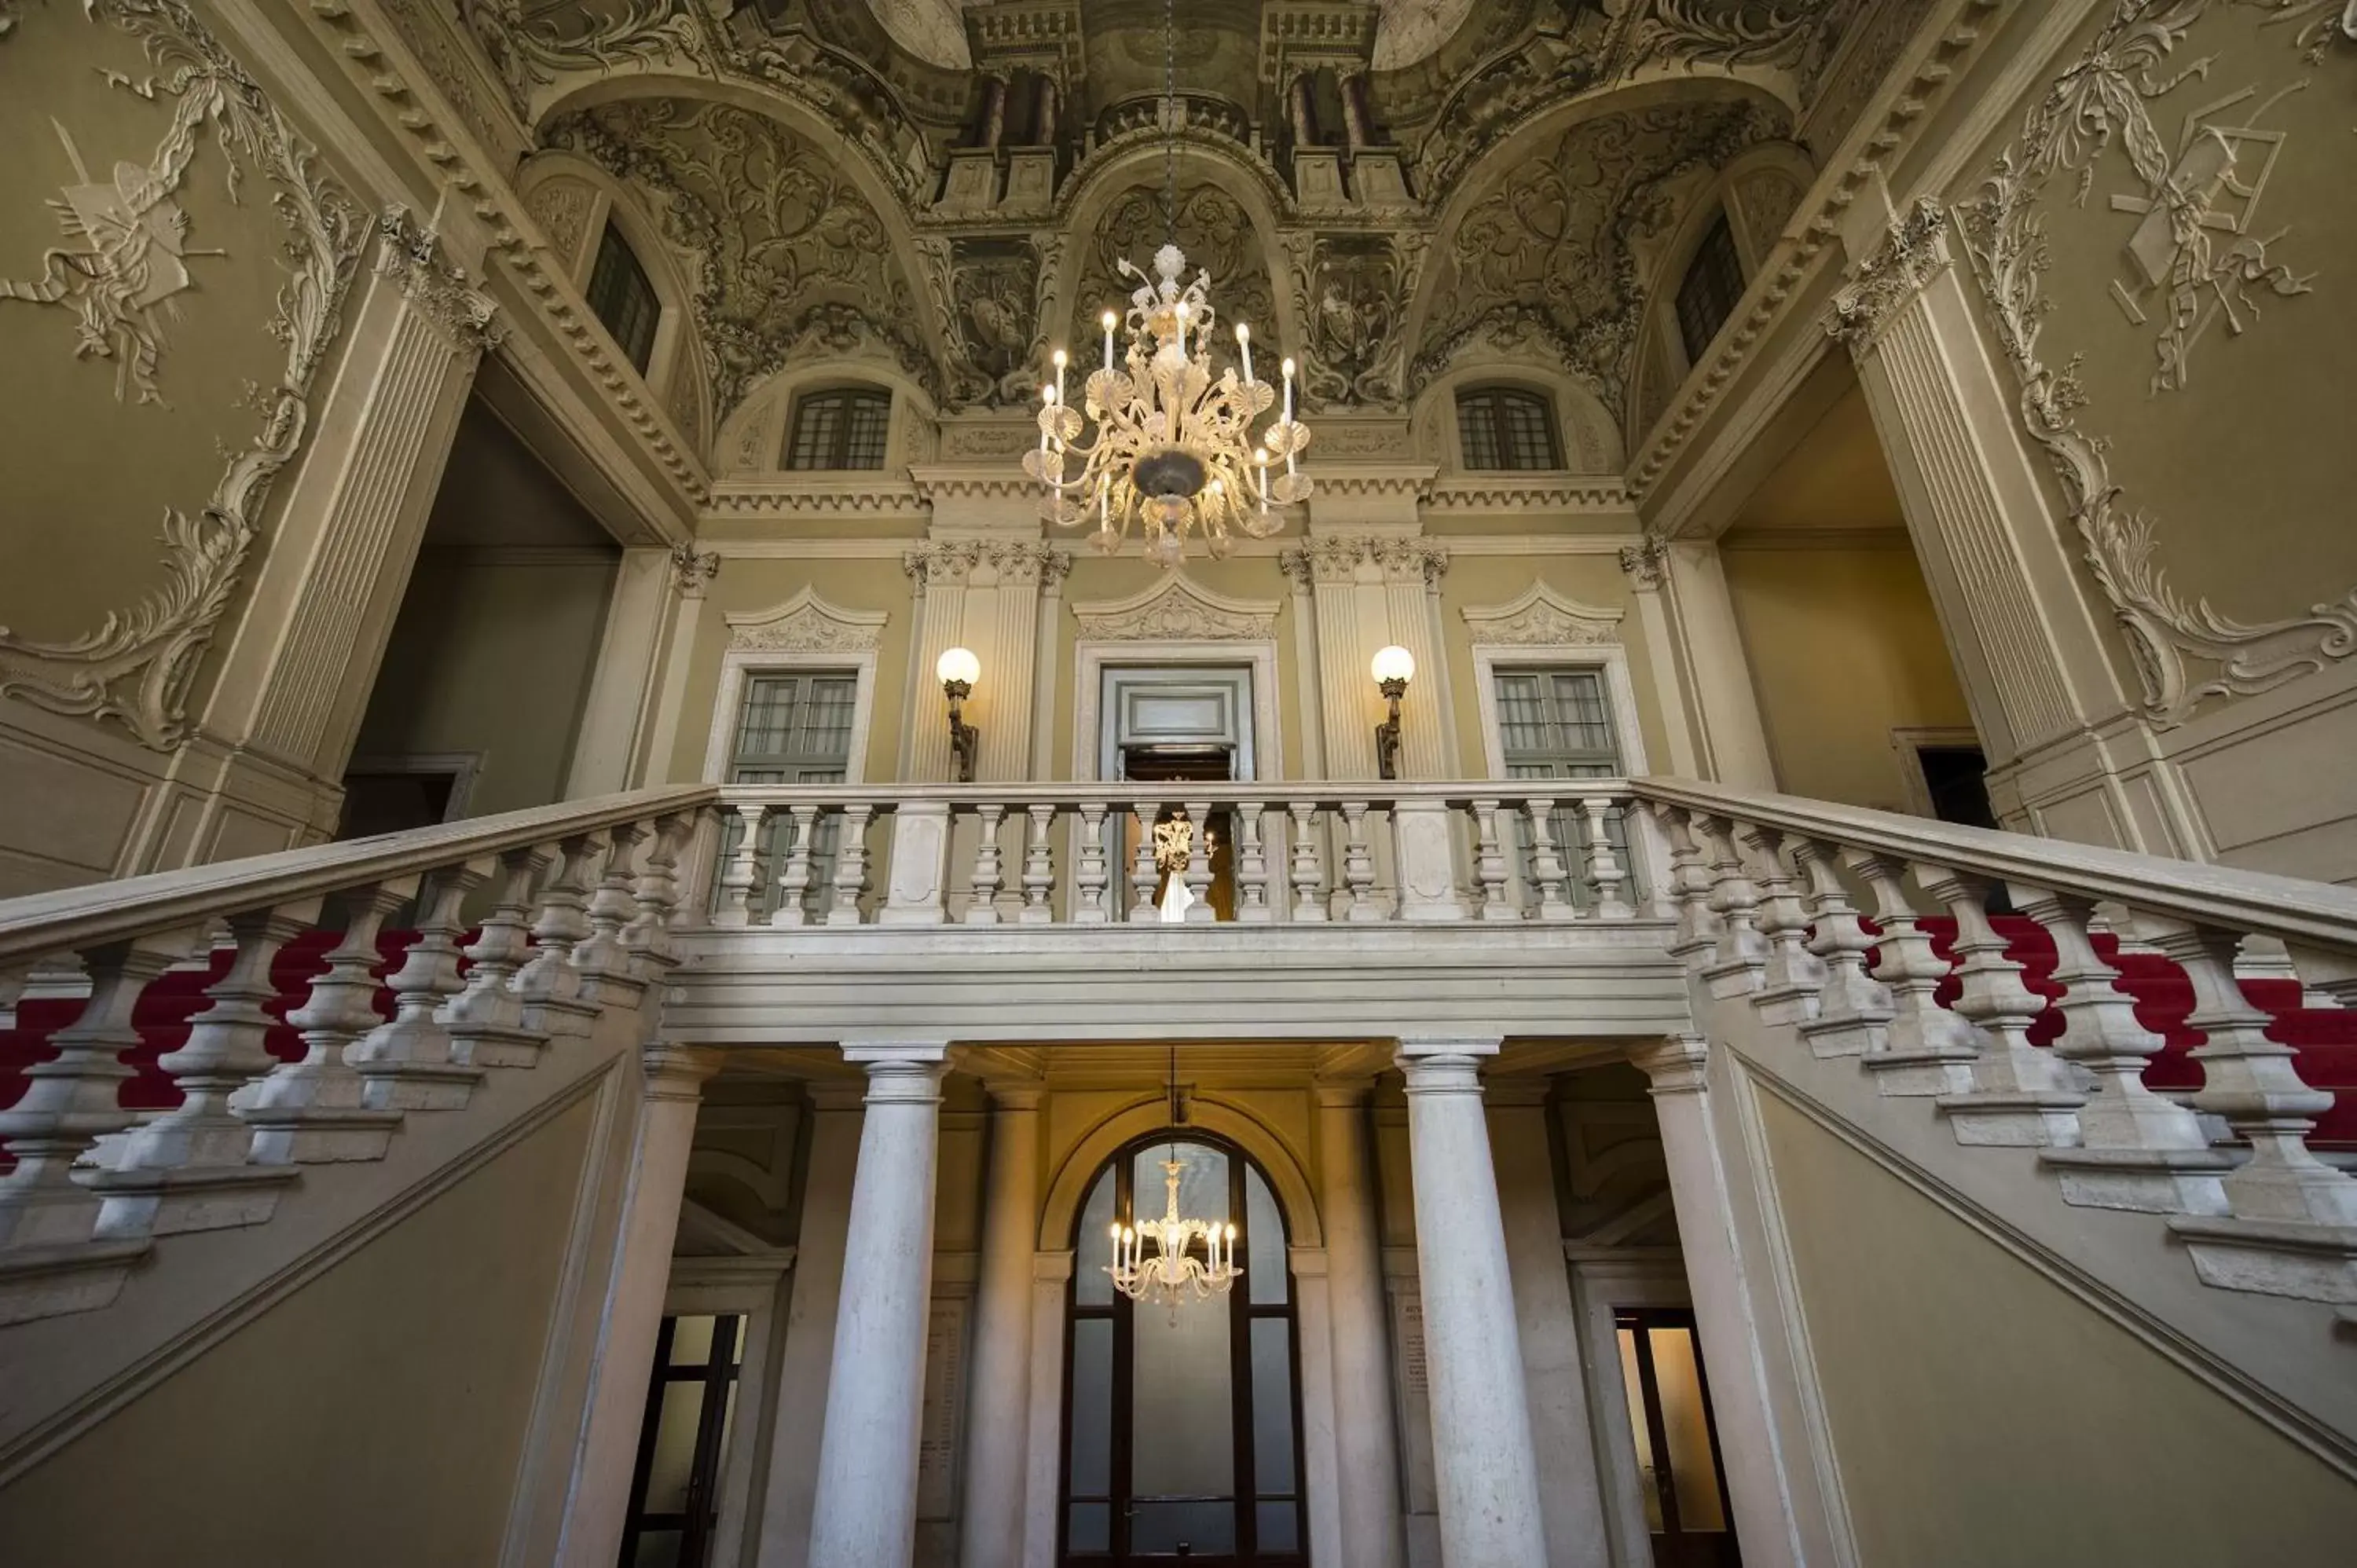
(1394, 667)
(959, 669)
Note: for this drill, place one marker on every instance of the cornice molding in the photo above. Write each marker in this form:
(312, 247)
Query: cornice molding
(831, 496)
(1506, 493)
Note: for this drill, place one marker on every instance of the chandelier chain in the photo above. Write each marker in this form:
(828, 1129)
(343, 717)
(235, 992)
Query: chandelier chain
(1170, 122)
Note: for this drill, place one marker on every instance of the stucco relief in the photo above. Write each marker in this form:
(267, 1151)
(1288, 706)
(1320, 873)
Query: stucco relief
(1352, 294)
(930, 29)
(1541, 617)
(2192, 269)
(793, 261)
(1176, 609)
(1412, 30)
(562, 209)
(807, 624)
(135, 666)
(1214, 231)
(531, 46)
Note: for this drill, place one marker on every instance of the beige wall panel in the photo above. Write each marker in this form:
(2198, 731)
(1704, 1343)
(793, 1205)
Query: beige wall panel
(376, 1416)
(1485, 580)
(2062, 1440)
(958, 1182)
(67, 818)
(493, 658)
(747, 585)
(1845, 647)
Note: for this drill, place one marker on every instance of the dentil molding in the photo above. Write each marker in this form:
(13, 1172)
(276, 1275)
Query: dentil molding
(1541, 617)
(806, 624)
(1176, 609)
(135, 666)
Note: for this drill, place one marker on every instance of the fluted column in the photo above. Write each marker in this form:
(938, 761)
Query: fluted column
(675, 1086)
(1366, 1437)
(1484, 1471)
(1756, 1483)
(864, 1514)
(997, 1456)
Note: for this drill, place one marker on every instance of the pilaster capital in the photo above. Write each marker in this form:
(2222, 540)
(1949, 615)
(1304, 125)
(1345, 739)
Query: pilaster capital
(1646, 564)
(1052, 1267)
(1343, 1093)
(1308, 1262)
(690, 573)
(1913, 251)
(1015, 1093)
(410, 253)
(677, 1073)
(1677, 1064)
(1298, 566)
(936, 563)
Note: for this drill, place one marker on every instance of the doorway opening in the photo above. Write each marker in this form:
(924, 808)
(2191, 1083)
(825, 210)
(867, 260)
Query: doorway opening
(1182, 1430)
(1677, 1441)
(1172, 726)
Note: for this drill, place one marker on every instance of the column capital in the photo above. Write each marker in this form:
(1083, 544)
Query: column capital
(1914, 251)
(677, 1072)
(1015, 1093)
(1053, 1268)
(1444, 1064)
(905, 1072)
(1347, 1093)
(1645, 564)
(1676, 1065)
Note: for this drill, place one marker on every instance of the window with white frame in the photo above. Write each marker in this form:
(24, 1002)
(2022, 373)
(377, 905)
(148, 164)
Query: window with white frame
(793, 727)
(1555, 722)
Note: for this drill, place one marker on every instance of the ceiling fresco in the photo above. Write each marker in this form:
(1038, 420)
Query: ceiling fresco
(1395, 184)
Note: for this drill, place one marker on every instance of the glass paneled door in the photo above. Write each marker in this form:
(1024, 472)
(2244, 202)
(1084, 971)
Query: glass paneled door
(690, 1400)
(1677, 1441)
(1182, 1428)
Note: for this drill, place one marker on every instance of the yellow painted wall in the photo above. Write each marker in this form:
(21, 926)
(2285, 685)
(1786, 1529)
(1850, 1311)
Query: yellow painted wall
(1981, 1415)
(1843, 647)
(373, 1418)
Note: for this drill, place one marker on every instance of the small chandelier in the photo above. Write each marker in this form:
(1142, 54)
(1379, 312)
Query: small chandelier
(1173, 1272)
(1173, 445)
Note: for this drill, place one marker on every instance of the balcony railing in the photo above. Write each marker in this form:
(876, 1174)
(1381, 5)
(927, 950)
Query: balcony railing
(1089, 853)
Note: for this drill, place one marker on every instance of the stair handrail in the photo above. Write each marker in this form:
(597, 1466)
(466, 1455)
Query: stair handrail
(41, 924)
(2297, 912)
(1098, 791)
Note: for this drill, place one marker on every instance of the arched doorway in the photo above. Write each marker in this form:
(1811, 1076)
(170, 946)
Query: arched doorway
(1182, 1430)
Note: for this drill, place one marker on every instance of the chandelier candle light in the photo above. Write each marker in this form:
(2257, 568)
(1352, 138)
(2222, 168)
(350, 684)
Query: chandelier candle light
(1173, 1273)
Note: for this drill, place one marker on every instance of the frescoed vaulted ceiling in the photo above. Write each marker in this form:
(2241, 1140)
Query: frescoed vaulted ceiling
(1387, 185)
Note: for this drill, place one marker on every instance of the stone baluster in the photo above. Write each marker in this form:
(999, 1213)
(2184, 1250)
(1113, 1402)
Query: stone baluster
(851, 865)
(409, 1062)
(1144, 873)
(1689, 888)
(989, 872)
(2250, 1082)
(1547, 871)
(1604, 868)
(487, 1019)
(550, 983)
(191, 1168)
(317, 1109)
(2020, 1095)
(1490, 862)
(1199, 862)
(1854, 1009)
(1358, 863)
(1789, 979)
(1309, 873)
(603, 958)
(1091, 881)
(68, 1104)
(2135, 1150)
(740, 884)
(1038, 868)
(657, 894)
(1739, 960)
(794, 882)
(1926, 1050)
(1252, 874)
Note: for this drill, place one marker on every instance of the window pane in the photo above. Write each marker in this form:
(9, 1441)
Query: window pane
(1205, 1528)
(1521, 712)
(844, 428)
(1092, 1527)
(1271, 1404)
(623, 299)
(1506, 428)
(1181, 1374)
(1685, 1425)
(1091, 1474)
(690, 1341)
(1710, 291)
(817, 421)
(870, 417)
(1264, 1266)
(674, 1454)
(1632, 1381)
(657, 1549)
(1280, 1527)
(1093, 1247)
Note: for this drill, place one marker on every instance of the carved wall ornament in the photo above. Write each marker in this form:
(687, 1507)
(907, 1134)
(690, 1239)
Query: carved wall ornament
(1799, 36)
(1176, 609)
(428, 29)
(2186, 650)
(1376, 558)
(807, 624)
(1217, 235)
(1352, 294)
(990, 295)
(411, 254)
(1539, 616)
(692, 572)
(533, 45)
(1646, 564)
(1913, 251)
(562, 209)
(135, 666)
(792, 261)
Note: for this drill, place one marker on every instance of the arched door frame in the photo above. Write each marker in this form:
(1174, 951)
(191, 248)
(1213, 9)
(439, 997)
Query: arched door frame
(1119, 1162)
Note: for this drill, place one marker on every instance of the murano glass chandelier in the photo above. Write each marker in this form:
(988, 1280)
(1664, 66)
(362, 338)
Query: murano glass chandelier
(1172, 446)
(1176, 1269)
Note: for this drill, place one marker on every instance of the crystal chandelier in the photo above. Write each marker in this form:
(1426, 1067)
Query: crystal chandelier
(1174, 1271)
(1173, 445)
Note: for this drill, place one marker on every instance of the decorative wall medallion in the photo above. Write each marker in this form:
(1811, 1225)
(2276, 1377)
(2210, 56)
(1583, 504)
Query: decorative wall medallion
(2209, 266)
(1540, 617)
(807, 624)
(135, 666)
(1176, 609)
(561, 208)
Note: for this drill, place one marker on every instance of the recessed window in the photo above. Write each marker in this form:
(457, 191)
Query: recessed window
(1507, 429)
(1556, 722)
(623, 298)
(843, 428)
(1709, 292)
(795, 727)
